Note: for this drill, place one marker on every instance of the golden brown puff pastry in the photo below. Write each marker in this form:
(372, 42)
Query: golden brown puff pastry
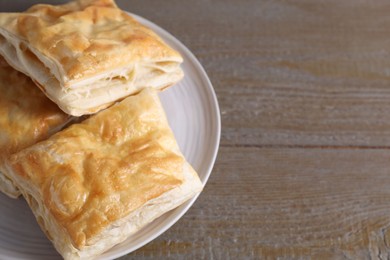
(93, 184)
(86, 54)
(26, 117)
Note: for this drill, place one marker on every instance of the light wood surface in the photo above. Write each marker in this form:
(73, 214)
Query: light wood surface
(303, 170)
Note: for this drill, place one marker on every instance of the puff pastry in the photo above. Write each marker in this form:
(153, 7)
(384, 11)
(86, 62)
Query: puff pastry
(26, 117)
(93, 184)
(86, 54)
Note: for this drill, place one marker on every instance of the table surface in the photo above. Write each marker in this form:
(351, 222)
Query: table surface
(303, 169)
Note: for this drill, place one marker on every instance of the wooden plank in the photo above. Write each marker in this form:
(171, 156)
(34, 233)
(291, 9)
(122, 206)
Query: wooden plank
(290, 72)
(303, 169)
(293, 203)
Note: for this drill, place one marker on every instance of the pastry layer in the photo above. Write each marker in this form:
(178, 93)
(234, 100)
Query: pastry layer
(94, 184)
(87, 54)
(26, 117)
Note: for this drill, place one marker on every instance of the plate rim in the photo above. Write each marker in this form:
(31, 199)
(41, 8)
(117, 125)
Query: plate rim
(217, 115)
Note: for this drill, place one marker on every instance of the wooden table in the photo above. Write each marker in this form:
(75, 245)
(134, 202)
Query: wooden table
(303, 170)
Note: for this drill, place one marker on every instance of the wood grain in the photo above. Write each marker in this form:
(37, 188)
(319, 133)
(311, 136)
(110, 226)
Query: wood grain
(292, 203)
(304, 90)
(290, 72)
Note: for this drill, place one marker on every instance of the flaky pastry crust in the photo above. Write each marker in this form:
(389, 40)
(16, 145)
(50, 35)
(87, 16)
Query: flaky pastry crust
(95, 183)
(26, 117)
(87, 54)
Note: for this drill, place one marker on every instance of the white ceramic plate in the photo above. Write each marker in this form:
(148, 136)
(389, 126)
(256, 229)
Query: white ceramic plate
(193, 114)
